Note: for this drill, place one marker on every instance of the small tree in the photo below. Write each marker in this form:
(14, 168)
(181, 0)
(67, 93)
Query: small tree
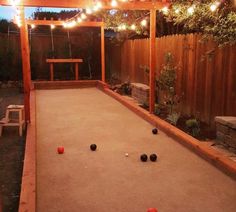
(166, 81)
(166, 84)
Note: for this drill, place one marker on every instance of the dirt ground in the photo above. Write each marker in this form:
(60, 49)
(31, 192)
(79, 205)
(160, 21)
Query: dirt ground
(11, 155)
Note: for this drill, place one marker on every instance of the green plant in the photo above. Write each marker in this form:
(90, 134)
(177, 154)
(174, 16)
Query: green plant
(193, 127)
(219, 24)
(166, 83)
(173, 118)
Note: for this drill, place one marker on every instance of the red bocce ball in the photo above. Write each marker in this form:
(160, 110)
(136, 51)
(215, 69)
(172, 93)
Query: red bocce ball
(152, 210)
(60, 150)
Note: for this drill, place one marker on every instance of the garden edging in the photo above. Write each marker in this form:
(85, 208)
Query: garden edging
(211, 155)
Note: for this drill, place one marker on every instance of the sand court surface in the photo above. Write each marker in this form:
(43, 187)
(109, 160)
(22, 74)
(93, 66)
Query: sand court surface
(106, 180)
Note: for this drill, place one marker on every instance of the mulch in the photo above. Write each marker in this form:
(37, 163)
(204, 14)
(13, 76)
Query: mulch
(11, 155)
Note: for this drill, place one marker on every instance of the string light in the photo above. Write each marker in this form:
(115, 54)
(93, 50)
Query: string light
(79, 20)
(71, 24)
(88, 10)
(123, 27)
(18, 21)
(17, 17)
(99, 5)
(143, 22)
(95, 8)
(177, 11)
(133, 26)
(190, 10)
(14, 2)
(65, 25)
(214, 6)
(165, 10)
(83, 16)
(114, 3)
(32, 26)
(52, 26)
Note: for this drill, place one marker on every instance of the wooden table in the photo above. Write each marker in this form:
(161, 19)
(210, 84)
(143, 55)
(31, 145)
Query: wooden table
(52, 61)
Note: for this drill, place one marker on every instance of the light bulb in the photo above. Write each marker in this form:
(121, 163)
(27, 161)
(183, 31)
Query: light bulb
(79, 20)
(88, 11)
(177, 11)
(165, 10)
(83, 16)
(133, 27)
(113, 3)
(190, 10)
(144, 22)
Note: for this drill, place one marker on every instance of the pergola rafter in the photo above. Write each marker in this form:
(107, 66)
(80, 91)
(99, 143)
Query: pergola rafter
(60, 23)
(129, 5)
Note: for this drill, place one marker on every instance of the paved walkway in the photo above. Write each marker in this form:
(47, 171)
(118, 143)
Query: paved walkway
(106, 180)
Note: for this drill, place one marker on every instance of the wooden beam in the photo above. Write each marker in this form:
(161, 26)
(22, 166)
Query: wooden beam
(60, 23)
(152, 62)
(69, 60)
(103, 54)
(134, 5)
(25, 54)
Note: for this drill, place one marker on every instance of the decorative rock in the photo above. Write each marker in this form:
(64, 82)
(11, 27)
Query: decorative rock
(140, 92)
(226, 131)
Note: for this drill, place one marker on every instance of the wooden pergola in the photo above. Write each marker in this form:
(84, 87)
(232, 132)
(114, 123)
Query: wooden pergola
(151, 5)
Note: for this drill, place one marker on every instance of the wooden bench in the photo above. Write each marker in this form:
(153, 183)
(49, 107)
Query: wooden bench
(52, 61)
(9, 122)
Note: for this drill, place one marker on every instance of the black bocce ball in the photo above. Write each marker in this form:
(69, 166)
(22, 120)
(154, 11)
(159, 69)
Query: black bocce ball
(153, 157)
(93, 147)
(154, 131)
(143, 157)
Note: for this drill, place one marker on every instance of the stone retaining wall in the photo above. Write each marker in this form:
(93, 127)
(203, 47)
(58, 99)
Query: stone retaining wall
(140, 92)
(226, 131)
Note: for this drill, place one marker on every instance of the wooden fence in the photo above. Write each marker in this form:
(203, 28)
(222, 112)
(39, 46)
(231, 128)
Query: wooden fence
(206, 74)
(84, 44)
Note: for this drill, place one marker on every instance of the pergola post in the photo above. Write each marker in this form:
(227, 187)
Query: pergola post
(103, 53)
(25, 63)
(152, 60)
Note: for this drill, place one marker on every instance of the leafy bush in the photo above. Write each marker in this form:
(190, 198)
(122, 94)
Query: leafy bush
(173, 118)
(193, 127)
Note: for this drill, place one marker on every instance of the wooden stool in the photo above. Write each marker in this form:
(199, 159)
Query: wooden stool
(7, 122)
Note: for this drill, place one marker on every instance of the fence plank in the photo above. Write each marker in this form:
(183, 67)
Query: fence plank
(207, 82)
